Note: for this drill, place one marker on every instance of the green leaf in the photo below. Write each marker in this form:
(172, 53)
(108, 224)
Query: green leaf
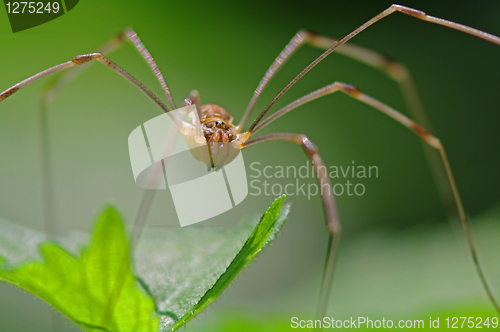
(96, 290)
(263, 233)
(183, 269)
(179, 265)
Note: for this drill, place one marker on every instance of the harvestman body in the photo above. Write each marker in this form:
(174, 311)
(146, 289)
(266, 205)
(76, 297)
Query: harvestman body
(216, 124)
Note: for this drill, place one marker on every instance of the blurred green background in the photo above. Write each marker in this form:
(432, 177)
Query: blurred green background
(399, 257)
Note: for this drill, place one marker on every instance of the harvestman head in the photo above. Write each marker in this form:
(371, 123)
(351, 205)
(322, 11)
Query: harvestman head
(216, 126)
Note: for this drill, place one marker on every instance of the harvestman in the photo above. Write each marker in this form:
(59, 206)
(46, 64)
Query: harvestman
(217, 126)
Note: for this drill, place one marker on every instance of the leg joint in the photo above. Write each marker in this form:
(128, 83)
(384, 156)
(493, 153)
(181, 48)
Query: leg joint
(310, 148)
(410, 11)
(349, 89)
(81, 59)
(8, 92)
(426, 136)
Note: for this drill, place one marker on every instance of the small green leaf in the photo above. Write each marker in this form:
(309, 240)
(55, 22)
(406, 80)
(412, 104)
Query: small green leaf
(96, 290)
(183, 269)
(265, 231)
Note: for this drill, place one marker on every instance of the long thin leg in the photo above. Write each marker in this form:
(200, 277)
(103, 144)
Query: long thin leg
(405, 121)
(79, 60)
(402, 76)
(394, 70)
(51, 89)
(392, 9)
(48, 93)
(300, 38)
(132, 36)
(299, 102)
(140, 220)
(329, 206)
(337, 86)
(50, 217)
(54, 87)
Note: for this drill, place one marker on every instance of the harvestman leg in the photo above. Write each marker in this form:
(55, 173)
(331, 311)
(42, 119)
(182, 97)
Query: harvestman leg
(422, 16)
(394, 70)
(81, 59)
(392, 9)
(330, 207)
(51, 89)
(332, 221)
(78, 60)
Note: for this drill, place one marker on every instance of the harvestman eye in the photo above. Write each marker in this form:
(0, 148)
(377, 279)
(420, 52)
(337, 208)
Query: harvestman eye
(217, 124)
